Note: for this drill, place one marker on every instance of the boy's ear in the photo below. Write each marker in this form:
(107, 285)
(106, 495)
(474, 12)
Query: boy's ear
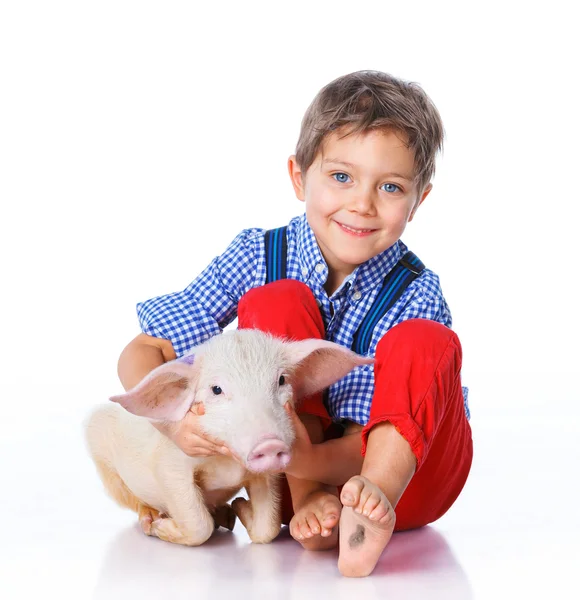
(296, 177)
(420, 201)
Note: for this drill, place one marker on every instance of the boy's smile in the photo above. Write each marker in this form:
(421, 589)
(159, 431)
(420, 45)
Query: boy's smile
(360, 193)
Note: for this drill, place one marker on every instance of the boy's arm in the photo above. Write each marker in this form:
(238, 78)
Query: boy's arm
(209, 303)
(174, 323)
(141, 356)
(336, 461)
(301, 488)
(332, 462)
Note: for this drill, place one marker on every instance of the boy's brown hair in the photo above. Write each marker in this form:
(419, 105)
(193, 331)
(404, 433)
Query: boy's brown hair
(371, 100)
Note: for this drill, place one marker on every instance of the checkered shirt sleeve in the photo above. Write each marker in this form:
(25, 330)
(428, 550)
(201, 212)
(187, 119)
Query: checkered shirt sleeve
(209, 303)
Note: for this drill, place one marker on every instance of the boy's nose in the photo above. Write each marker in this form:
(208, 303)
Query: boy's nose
(362, 202)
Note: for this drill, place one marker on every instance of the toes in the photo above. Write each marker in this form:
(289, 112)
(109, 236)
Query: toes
(313, 523)
(389, 518)
(317, 518)
(305, 525)
(369, 504)
(295, 530)
(378, 512)
(368, 496)
(328, 523)
(351, 491)
(366, 499)
(330, 514)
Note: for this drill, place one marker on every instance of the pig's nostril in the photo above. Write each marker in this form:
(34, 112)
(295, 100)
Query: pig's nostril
(271, 454)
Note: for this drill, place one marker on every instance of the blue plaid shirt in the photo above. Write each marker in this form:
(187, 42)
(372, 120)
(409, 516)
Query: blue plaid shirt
(210, 302)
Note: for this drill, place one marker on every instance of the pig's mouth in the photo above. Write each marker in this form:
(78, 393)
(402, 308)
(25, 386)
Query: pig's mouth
(271, 454)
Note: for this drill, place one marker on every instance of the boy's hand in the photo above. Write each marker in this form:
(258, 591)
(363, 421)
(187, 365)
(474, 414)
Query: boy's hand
(303, 450)
(189, 436)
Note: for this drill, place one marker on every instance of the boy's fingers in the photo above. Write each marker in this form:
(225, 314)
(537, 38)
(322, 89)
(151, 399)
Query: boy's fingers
(197, 409)
(291, 412)
(299, 427)
(204, 439)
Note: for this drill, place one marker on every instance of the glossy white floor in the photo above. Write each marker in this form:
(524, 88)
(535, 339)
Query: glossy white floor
(514, 532)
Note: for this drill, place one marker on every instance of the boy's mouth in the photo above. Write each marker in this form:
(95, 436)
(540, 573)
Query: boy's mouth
(357, 231)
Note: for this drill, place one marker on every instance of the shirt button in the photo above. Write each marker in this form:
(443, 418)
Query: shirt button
(304, 272)
(318, 302)
(319, 268)
(357, 296)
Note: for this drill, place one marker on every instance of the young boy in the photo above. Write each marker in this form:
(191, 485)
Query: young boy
(363, 165)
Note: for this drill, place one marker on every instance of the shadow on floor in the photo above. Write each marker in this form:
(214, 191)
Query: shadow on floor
(416, 564)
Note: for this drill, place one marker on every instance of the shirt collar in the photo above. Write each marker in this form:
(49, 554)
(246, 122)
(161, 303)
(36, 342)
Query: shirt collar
(372, 273)
(309, 253)
(365, 276)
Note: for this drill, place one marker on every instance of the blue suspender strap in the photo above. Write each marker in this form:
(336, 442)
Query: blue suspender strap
(275, 241)
(396, 281)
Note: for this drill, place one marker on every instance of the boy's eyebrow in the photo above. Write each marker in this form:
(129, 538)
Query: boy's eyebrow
(353, 166)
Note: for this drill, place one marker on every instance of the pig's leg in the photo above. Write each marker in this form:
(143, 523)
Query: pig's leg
(298, 317)
(190, 522)
(260, 515)
(224, 516)
(118, 490)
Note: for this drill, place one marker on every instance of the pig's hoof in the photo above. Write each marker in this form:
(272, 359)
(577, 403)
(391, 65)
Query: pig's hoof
(169, 531)
(146, 517)
(243, 509)
(224, 516)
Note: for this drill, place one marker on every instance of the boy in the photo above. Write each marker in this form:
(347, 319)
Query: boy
(363, 165)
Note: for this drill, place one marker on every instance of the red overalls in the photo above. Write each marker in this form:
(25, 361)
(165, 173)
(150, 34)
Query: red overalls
(417, 389)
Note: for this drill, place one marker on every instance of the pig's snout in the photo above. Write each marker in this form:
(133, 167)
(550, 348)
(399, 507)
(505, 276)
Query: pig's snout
(269, 455)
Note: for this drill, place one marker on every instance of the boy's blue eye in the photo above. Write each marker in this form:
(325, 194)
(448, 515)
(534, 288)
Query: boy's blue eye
(335, 175)
(388, 187)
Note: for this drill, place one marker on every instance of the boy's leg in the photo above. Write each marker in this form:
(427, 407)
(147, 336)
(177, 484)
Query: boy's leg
(287, 309)
(417, 443)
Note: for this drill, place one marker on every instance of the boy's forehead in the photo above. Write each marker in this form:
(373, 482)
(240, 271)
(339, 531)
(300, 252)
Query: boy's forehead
(388, 149)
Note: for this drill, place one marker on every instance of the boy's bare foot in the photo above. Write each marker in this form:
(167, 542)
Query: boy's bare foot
(366, 525)
(314, 524)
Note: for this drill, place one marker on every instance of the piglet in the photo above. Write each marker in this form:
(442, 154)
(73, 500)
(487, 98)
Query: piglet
(243, 379)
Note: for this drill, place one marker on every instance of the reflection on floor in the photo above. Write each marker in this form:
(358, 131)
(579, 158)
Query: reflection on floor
(415, 561)
(513, 532)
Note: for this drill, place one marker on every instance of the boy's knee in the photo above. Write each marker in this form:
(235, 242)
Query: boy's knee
(284, 288)
(281, 296)
(419, 335)
(282, 301)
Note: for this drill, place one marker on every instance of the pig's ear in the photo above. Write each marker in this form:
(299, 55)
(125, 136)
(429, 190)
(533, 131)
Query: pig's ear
(320, 363)
(165, 394)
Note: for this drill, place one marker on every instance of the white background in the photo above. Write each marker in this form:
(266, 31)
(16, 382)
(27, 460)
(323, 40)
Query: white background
(138, 138)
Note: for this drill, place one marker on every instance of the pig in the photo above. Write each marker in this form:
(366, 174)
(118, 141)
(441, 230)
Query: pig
(242, 379)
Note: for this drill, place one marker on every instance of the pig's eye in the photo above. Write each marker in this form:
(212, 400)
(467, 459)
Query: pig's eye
(217, 390)
(282, 380)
